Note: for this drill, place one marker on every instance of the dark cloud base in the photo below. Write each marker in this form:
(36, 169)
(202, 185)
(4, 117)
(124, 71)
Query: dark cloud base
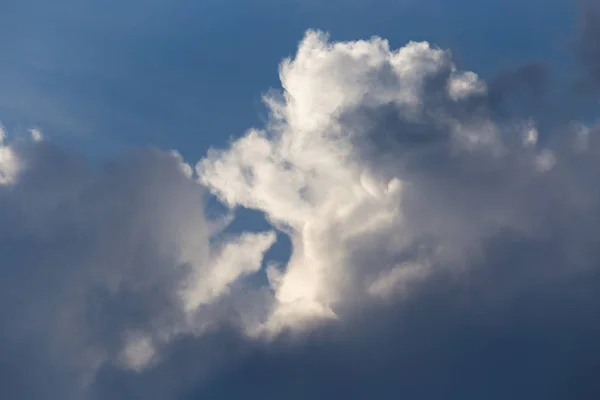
(499, 331)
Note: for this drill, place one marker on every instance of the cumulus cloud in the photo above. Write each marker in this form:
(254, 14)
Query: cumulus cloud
(103, 264)
(440, 248)
(402, 187)
(382, 165)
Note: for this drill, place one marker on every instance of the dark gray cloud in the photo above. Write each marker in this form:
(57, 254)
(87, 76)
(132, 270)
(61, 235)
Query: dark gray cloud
(514, 326)
(88, 254)
(587, 47)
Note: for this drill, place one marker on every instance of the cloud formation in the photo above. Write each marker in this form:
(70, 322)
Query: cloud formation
(448, 242)
(382, 166)
(103, 264)
(440, 248)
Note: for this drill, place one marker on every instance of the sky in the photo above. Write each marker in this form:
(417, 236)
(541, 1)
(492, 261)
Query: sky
(299, 199)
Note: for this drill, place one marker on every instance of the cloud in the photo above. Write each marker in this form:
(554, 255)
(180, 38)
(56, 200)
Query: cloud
(377, 162)
(104, 264)
(587, 47)
(404, 190)
(440, 247)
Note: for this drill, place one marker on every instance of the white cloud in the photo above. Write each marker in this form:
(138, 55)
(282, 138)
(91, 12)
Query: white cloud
(398, 278)
(36, 134)
(370, 155)
(304, 173)
(464, 84)
(238, 257)
(106, 264)
(9, 163)
(138, 353)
